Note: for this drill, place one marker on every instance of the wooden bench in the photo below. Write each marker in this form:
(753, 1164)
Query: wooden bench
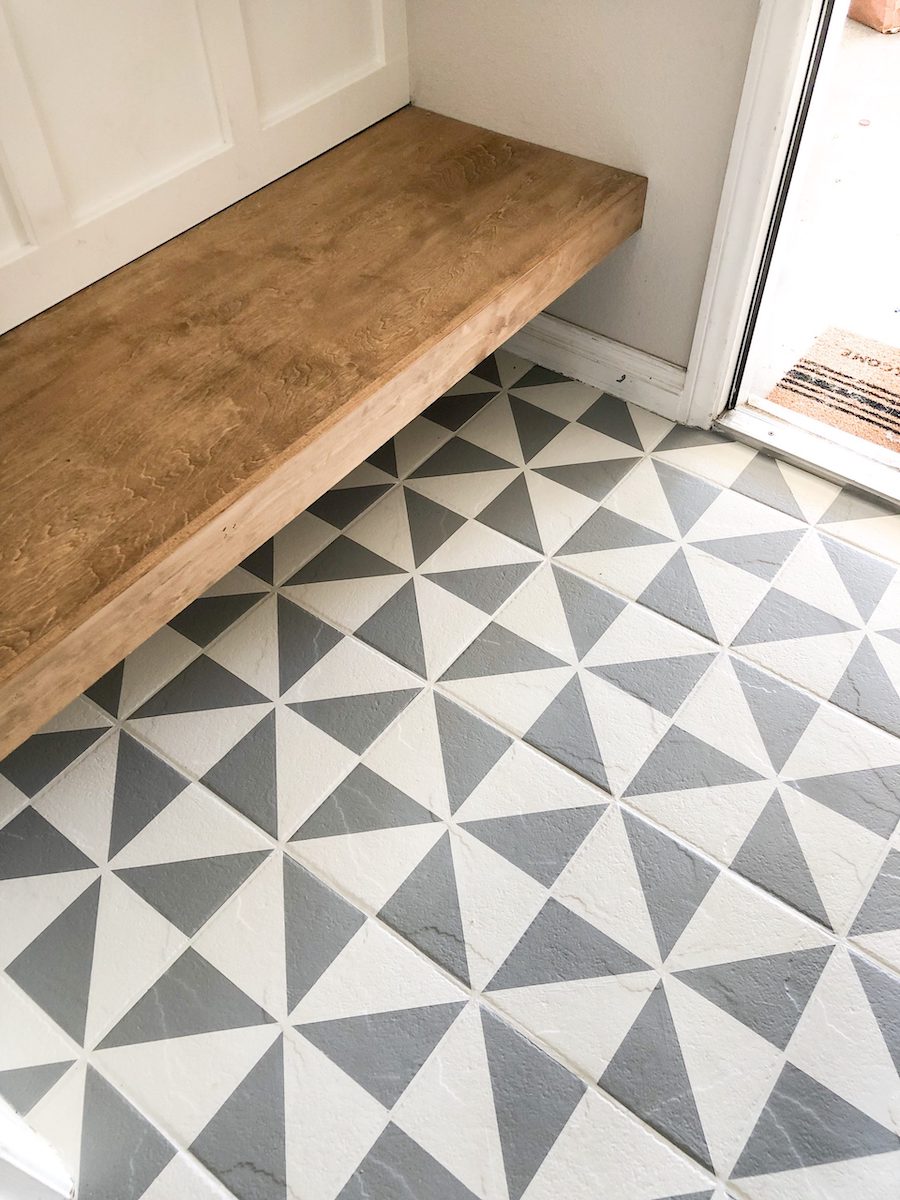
(161, 424)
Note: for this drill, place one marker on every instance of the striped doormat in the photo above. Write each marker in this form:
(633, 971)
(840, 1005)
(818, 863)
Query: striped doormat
(849, 382)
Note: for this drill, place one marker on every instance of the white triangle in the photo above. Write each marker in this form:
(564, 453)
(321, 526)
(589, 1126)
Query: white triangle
(494, 430)
(254, 963)
(476, 545)
(823, 749)
(80, 714)
(720, 692)
(515, 701)
(299, 541)
(249, 649)
(57, 1116)
(36, 901)
(237, 582)
(733, 515)
(580, 444)
(874, 1177)
(558, 511)
(884, 946)
(497, 903)
(601, 1143)
(182, 1082)
(309, 766)
(148, 668)
(731, 1070)
(568, 399)
(626, 728)
(448, 625)
(817, 662)
(467, 493)
(384, 529)
(198, 740)
(735, 914)
(365, 475)
(330, 1122)
(419, 775)
(79, 803)
(133, 946)
(536, 614)
(417, 441)
(368, 867)
(27, 1036)
(448, 1109)
(730, 595)
(839, 853)
(602, 885)
(351, 669)
(582, 1022)
(510, 366)
(347, 603)
(640, 498)
(888, 652)
(375, 973)
(879, 535)
(715, 819)
(629, 569)
(813, 494)
(639, 634)
(524, 781)
(811, 576)
(722, 463)
(854, 1063)
(183, 1176)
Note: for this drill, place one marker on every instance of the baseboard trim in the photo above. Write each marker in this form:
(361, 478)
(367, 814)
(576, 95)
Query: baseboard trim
(632, 375)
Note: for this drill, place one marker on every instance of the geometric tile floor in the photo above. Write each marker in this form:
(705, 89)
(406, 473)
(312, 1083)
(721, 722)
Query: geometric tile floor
(521, 822)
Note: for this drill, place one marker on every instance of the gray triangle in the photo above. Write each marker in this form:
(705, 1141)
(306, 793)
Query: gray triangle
(489, 370)
(865, 577)
(344, 559)
(499, 651)
(589, 610)
(850, 505)
(383, 1052)
(806, 1125)
(318, 924)
(209, 616)
(883, 993)
(395, 630)
(681, 761)
(762, 480)
(261, 562)
(187, 893)
(541, 843)
(459, 457)
(688, 496)
(892, 634)
(397, 1168)
(675, 880)
(867, 690)
(769, 995)
(512, 514)
(704, 1195)
(647, 1074)
(781, 713)
(663, 683)
(244, 1143)
(772, 857)
(203, 684)
(30, 845)
(607, 530)
(385, 458)
(430, 524)
(362, 803)
(55, 969)
(870, 798)
(535, 427)
(340, 506)
(762, 554)
(303, 640)
(674, 594)
(881, 909)
(470, 748)
(355, 721)
(485, 588)
(538, 376)
(121, 1152)
(144, 786)
(425, 910)
(781, 617)
(592, 479)
(686, 437)
(452, 412)
(611, 416)
(42, 757)
(191, 997)
(107, 691)
(534, 1097)
(564, 731)
(22, 1087)
(247, 776)
(559, 947)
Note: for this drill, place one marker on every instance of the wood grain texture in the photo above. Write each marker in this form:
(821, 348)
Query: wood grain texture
(161, 424)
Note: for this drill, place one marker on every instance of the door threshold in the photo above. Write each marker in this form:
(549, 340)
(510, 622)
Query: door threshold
(850, 461)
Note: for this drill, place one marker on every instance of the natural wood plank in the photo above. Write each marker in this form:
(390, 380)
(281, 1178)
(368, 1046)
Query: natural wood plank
(164, 422)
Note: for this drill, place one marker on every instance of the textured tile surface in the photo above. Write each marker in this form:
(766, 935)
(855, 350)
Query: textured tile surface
(520, 822)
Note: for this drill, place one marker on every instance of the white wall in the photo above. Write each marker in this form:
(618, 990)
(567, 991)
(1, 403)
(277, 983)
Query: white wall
(649, 85)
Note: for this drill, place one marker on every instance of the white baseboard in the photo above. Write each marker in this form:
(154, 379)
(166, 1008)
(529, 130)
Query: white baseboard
(629, 374)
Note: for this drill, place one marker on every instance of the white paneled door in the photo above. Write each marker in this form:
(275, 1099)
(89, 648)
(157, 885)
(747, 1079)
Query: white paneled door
(124, 122)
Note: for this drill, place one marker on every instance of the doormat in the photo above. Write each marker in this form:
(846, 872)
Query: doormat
(849, 382)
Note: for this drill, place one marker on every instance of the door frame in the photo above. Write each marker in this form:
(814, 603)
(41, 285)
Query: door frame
(786, 34)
